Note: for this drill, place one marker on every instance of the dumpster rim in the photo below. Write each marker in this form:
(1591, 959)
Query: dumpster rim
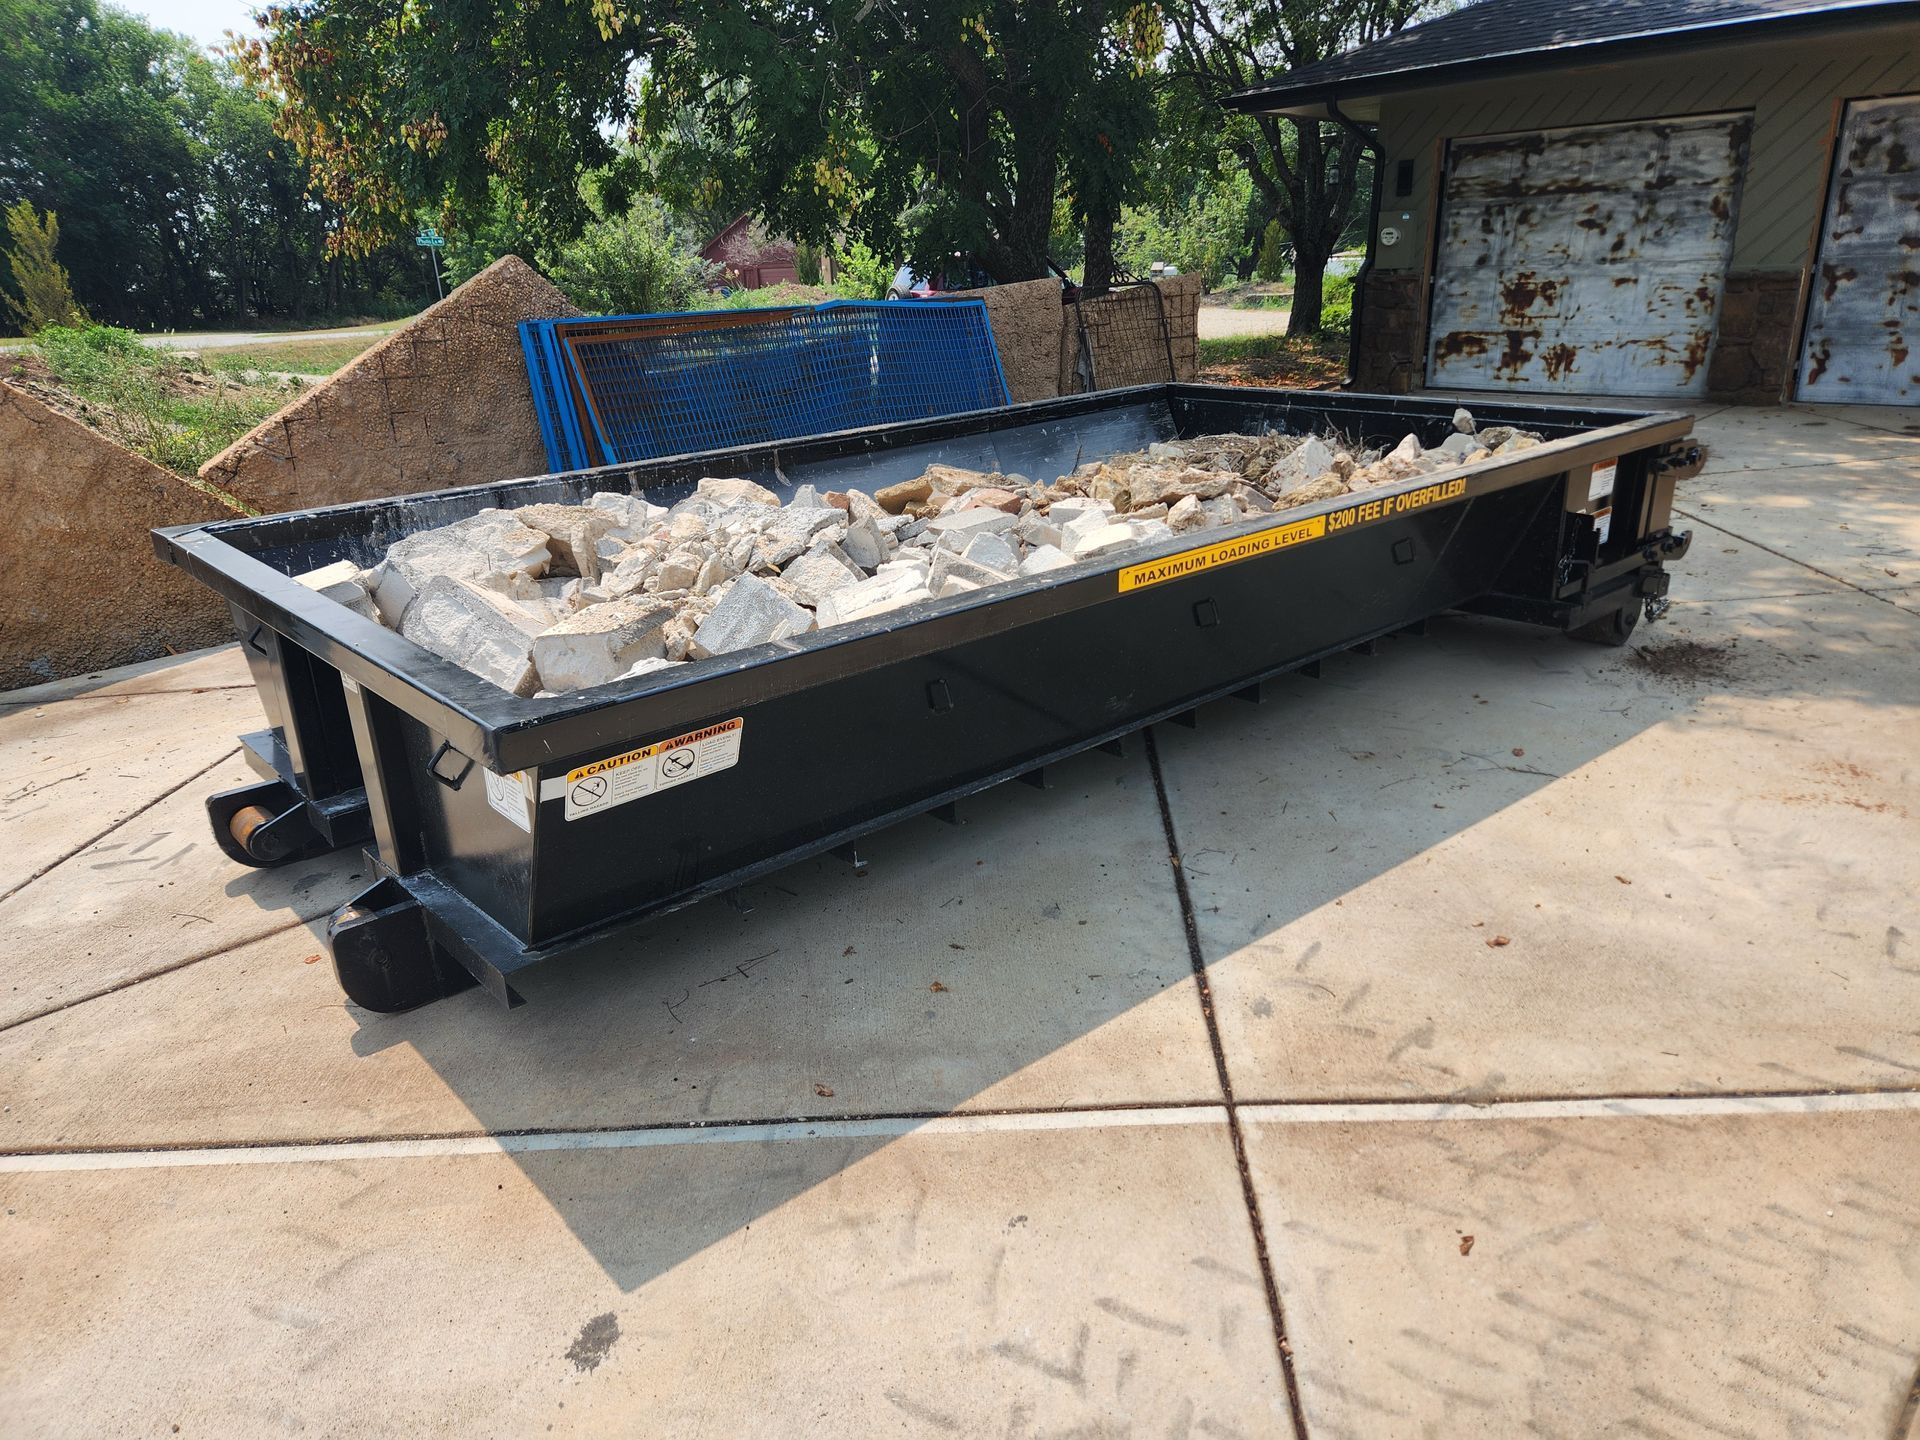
(507, 733)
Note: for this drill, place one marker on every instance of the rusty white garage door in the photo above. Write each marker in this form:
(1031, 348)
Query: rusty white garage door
(1863, 320)
(1588, 260)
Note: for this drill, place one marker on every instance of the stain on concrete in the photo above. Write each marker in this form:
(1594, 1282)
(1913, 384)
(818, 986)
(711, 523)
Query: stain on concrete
(591, 1345)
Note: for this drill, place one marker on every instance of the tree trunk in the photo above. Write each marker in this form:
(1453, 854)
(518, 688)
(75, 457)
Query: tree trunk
(1097, 272)
(1309, 271)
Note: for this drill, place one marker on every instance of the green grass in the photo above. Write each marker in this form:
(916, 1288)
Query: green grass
(301, 357)
(1230, 349)
(166, 406)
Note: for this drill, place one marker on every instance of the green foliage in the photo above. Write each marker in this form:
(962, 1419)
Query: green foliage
(46, 294)
(860, 274)
(633, 263)
(179, 204)
(1276, 256)
(1308, 174)
(165, 405)
(1336, 306)
(917, 129)
(806, 264)
(1201, 234)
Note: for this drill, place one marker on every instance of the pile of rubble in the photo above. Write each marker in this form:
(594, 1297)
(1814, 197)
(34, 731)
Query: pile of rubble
(552, 598)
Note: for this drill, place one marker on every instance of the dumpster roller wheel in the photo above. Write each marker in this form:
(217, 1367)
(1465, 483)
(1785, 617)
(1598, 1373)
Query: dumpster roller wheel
(263, 825)
(1614, 629)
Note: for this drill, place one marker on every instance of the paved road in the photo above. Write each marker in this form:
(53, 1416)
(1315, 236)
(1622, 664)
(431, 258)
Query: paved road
(1267, 1131)
(227, 339)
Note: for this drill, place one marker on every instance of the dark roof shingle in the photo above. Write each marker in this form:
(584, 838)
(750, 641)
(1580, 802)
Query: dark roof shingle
(1536, 34)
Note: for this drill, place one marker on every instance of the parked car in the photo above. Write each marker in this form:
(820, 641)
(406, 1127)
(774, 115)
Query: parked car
(960, 273)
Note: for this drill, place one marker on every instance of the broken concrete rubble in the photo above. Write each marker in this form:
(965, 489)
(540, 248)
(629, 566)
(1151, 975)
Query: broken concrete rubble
(600, 643)
(475, 629)
(751, 613)
(568, 596)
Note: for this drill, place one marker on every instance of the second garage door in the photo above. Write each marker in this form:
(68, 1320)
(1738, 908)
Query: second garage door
(1590, 259)
(1863, 321)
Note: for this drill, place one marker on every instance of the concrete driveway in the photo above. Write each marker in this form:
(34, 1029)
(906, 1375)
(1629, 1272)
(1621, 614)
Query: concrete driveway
(1499, 1036)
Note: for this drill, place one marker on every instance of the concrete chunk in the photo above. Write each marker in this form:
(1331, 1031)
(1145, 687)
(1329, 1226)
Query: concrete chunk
(866, 545)
(949, 566)
(475, 629)
(734, 491)
(600, 644)
(751, 613)
(871, 596)
(344, 583)
(820, 572)
(994, 552)
(1043, 558)
(895, 498)
(573, 535)
(970, 522)
(489, 545)
(1104, 541)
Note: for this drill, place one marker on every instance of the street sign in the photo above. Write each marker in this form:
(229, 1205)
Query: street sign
(431, 238)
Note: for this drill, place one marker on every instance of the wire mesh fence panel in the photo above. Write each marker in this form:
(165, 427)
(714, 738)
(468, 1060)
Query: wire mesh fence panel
(636, 387)
(1120, 338)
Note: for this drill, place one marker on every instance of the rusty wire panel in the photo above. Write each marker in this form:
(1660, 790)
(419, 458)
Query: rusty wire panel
(1863, 321)
(1586, 260)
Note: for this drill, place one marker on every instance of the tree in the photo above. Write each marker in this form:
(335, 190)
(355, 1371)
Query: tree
(46, 295)
(1305, 172)
(918, 128)
(178, 203)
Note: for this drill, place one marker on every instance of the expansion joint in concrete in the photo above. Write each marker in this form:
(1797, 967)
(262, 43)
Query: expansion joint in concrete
(1191, 926)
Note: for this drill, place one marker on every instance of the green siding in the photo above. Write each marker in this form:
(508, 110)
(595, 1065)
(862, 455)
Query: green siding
(1791, 89)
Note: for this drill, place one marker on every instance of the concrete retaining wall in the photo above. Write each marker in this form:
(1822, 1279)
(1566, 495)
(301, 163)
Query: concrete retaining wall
(442, 401)
(83, 589)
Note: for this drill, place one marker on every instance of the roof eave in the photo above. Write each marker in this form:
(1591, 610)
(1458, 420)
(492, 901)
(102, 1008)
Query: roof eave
(1281, 99)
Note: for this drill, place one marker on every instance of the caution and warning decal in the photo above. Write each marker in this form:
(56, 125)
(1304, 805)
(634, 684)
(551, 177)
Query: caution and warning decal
(659, 766)
(1280, 537)
(512, 796)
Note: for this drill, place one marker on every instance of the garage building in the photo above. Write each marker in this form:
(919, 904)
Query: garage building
(1711, 199)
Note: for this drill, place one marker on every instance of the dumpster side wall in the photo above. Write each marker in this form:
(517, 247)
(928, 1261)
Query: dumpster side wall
(84, 589)
(442, 401)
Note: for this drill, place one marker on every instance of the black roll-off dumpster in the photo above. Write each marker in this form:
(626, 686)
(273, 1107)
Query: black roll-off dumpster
(506, 831)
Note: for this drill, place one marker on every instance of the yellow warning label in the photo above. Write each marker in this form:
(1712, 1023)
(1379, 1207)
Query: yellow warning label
(1279, 537)
(659, 747)
(652, 768)
(1400, 504)
(1227, 552)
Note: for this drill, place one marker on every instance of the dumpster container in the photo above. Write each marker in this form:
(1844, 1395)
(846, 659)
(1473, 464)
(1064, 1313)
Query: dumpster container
(508, 831)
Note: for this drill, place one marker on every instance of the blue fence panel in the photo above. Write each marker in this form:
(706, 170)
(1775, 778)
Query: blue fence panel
(620, 388)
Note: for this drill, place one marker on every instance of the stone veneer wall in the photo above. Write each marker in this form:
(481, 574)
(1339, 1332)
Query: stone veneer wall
(84, 589)
(1030, 326)
(1753, 355)
(443, 401)
(1026, 331)
(1393, 333)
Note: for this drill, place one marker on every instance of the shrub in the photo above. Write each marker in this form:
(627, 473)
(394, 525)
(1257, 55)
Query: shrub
(1336, 305)
(635, 263)
(46, 294)
(158, 402)
(862, 275)
(1276, 255)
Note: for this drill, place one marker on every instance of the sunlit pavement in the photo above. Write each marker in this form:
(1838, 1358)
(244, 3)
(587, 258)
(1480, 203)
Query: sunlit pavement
(1531, 1048)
